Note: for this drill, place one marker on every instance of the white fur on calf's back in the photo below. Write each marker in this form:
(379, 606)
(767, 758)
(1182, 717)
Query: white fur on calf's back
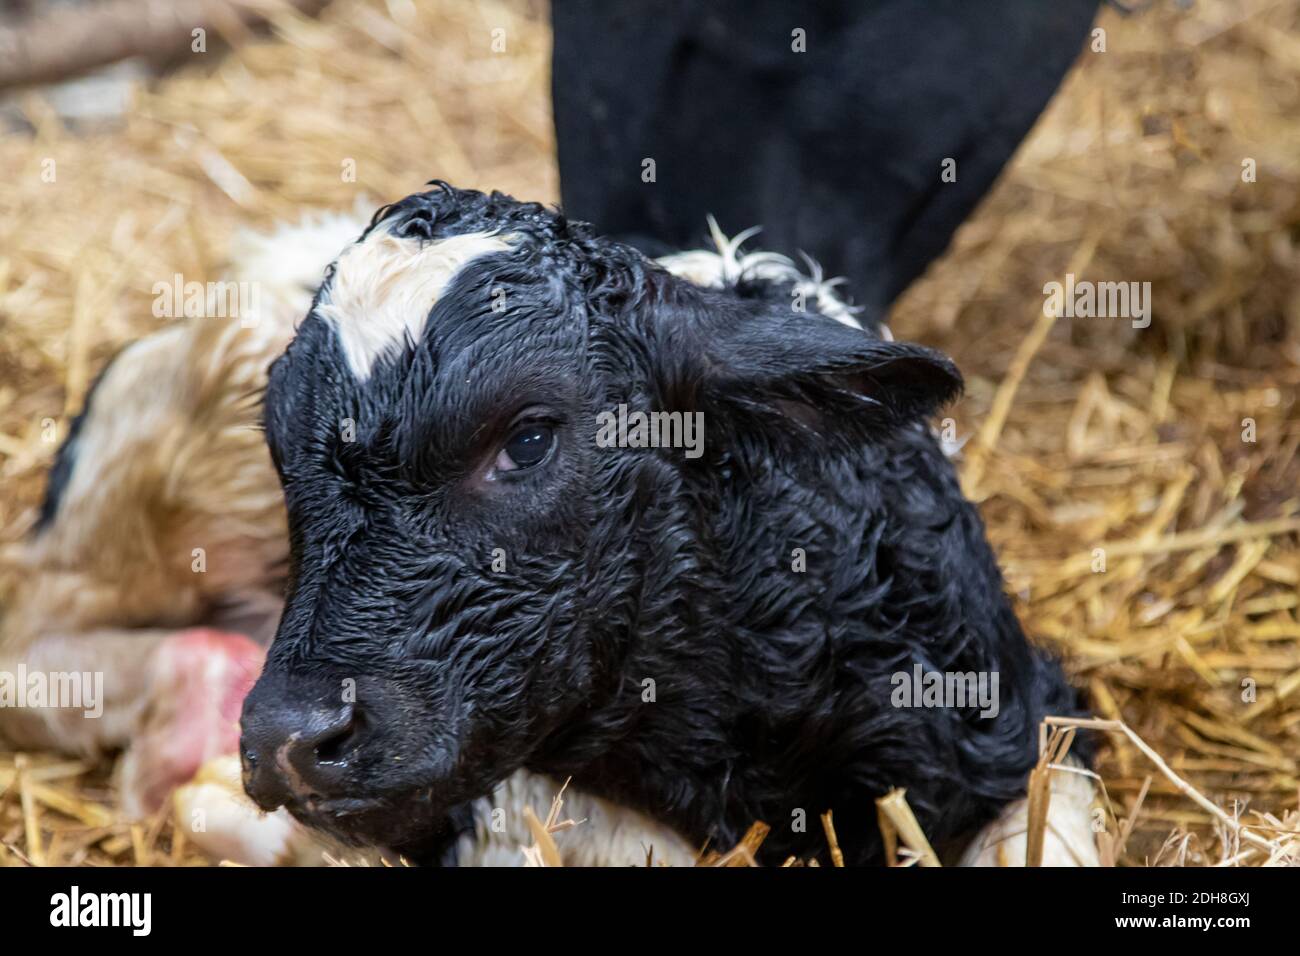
(724, 266)
(287, 265)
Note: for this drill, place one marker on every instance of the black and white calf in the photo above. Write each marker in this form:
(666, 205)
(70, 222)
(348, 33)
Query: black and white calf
(479, 587)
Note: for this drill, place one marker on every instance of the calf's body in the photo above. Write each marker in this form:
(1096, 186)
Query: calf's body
(729, 618)
(479, 584)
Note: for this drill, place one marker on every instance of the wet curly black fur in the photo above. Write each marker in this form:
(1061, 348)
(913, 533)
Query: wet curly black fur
(624, 566)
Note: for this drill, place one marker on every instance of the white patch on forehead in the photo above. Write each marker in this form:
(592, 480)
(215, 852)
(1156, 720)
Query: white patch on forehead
(725, 266)
(384, 287)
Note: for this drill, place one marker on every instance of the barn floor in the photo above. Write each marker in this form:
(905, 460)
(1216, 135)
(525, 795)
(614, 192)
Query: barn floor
(1140, 485)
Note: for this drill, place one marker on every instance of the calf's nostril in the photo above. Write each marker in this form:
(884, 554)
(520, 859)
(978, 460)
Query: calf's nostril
(336, 742)
(295, 751)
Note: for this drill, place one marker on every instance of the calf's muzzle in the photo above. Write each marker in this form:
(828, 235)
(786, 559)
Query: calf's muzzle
(297, 741)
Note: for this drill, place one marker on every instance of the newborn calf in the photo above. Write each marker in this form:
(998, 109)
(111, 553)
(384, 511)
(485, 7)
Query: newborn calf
(489, 574)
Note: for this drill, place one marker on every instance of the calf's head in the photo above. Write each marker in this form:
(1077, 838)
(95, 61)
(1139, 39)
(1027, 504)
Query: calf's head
(473, 567)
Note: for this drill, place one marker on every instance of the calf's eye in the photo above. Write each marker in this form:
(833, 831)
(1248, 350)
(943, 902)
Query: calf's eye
(527, 447)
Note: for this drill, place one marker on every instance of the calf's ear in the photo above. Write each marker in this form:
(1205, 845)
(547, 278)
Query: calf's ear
(819, 373)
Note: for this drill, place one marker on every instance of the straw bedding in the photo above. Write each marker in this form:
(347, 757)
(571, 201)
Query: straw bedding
(1168, 453)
